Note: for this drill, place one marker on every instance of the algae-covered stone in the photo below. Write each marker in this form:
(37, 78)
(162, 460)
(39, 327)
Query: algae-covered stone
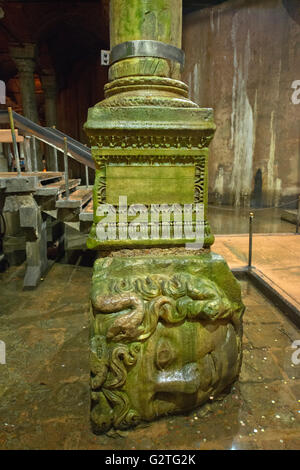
(166, 327)
(166, 335)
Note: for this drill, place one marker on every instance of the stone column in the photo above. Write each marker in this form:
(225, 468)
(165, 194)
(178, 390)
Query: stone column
(50, 91)
(166, 324)
(24, 58)
(147, 113)
(157, 21)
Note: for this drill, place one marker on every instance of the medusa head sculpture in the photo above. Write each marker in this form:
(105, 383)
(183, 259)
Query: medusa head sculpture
(166, 336)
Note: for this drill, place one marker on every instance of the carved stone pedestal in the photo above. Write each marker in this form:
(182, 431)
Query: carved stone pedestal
(166, 320)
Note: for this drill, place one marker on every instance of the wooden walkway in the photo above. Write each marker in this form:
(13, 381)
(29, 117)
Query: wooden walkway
(34, 204)
(276, 257)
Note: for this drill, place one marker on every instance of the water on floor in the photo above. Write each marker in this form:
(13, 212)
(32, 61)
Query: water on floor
(229, 220)
(44, 385)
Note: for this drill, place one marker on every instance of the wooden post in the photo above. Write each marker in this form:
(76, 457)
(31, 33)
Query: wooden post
(251, 216)
(34, 155)
(28, 153)
(87, 176)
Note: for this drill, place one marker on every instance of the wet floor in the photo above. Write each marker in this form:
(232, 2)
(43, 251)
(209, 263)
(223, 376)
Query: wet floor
(229, 220)
(44, 385)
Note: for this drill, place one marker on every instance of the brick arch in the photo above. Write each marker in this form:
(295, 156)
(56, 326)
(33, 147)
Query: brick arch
(74, 21)
(70, 49)
(64, 41)
(293, 9)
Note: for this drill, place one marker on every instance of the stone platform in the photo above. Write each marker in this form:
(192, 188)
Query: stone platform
(276, 257)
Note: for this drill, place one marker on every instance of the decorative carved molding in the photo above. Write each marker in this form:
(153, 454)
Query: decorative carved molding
(24, 57)
(101, 190)
(145, 81)
(200, 182)
(150, 141)
(148, 101)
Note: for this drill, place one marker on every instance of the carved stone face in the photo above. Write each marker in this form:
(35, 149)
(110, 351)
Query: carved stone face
(180, 367)
(166, 337)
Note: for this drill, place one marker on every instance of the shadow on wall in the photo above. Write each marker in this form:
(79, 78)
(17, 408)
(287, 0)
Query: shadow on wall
(192, 5)
(256, 196)
(293, 9)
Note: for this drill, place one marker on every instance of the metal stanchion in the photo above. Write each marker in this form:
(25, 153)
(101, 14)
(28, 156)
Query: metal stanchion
(66, 163)
(27, 153)
(15, 145)
(22, 154)
(87, 176)
(34, 155)
(251, 216)
(298, 216)
(55, 158)
(27, 140)
(10, 159)
(55, 155)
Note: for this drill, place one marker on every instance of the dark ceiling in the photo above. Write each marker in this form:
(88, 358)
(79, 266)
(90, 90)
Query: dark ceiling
(187, 4)
(191, 5)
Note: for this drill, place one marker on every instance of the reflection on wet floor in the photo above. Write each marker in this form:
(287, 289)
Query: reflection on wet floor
(228, 220)
(44, 387)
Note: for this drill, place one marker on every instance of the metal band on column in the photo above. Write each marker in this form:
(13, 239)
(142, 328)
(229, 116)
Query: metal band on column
(146, 48)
